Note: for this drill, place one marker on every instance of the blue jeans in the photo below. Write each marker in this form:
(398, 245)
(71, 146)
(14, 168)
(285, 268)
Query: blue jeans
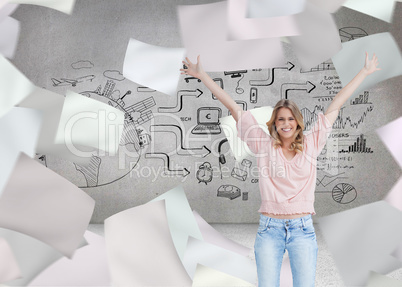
(297, 236)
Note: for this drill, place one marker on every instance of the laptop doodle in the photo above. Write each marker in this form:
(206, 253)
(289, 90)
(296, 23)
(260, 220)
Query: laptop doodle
(207, 121)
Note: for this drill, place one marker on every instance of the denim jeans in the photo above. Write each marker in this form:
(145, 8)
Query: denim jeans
(297, 236)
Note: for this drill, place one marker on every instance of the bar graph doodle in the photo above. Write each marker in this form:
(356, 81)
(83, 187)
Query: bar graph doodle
(179, 105)
(181, 149)
(271, 76)
(362, 99)
(325, 66)
(359, 146)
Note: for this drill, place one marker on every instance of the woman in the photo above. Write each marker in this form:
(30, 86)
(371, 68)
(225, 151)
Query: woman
(287, 191)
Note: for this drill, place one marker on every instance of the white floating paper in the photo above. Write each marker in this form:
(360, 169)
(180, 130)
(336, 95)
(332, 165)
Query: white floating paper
(9, 31)
(391, 139)
(40, 203)
(9, 269)
(7, 9)
(205, 276)
(204, 32)
(329, 6)
(65, 6)
(380, 9)
(242, 28)
(273, 8)
(153, 66)
(88, 122)
(182, 223)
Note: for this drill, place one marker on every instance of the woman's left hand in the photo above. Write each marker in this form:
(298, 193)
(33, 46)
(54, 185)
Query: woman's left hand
(371, 65)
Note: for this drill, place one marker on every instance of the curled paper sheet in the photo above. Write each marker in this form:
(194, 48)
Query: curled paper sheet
(329, 6)
(20, 131)
(140, 248)
(182, 223)
(379, 9)
(14, 86)
(153, 66)
(88, 122)
(40, 203)
(9, 269)
(363, 239)
(200, 252)
(31, 254)
(205, 276)
(50, 105)
(319, 36)
(9, 31)
(392, 140)
(211, 235)
(377, 280)
(228, 124)
(207, 36)
(242, 28)
(350, 60)
(7, 9)
(88, 267)
(273, 8)
(65, 6)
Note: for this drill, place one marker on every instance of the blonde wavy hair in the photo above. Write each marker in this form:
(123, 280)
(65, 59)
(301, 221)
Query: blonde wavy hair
(297, 143)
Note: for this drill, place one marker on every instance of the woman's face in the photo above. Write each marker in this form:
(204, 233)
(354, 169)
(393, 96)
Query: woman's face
(285, 123)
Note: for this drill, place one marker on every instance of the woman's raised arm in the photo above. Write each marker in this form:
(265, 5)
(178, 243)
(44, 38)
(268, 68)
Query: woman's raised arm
(196, 70)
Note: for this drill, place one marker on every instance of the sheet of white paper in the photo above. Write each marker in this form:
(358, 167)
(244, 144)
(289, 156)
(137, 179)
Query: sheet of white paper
(273, 8)
(9, 269)
(211, 235)
(379, 9)
(319, 39)
(205, 276)
(362, 239)
(88, 267)
(88, 122)
(7, 9)
(65, 6)
(40, 203)
(182, 223)
(350, 60)
(20, 131)
(201, 252)
(242, 28)
(14, 86)
(50, 105)
(377, 280)
(140, 248)
(207, 36)
(329, 6)
(31, 254)
(391, 139)
(240, 149)
(9, 31)
(153, 66)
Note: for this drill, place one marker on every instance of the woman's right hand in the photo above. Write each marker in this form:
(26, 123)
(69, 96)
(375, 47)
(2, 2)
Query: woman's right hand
(194, 70)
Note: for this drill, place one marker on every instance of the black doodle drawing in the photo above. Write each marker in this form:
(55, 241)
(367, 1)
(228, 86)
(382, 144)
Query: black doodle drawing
(326, 180)
(351, 33)
(90, 172)
(240, 174)
(41, 158)
(246, 163)
(236, 74)
(271, 76)
(340, 122)
(359, 146)
(229, 191)
(179, 105)
(187, 79)
(344, 193)
(285, 88)
(207, 121)
(325, 66)
(82, 65)
(242, 104)
(145, 90)
(219, 81)
(222, 158)
(144, 139)
(362, 99)
(73, 82)
(114, 75)
(119, 100)
(177, 131)
(253, 95)
(166, 160)
(137, 112)
(204, 173)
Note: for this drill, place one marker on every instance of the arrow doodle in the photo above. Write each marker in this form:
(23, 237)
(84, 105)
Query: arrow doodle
(163, 156)
(176, 130)
(269, 82)
(285, 88)
(179, 105)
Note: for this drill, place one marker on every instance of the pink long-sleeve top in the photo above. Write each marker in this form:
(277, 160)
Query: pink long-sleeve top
(286, 186)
